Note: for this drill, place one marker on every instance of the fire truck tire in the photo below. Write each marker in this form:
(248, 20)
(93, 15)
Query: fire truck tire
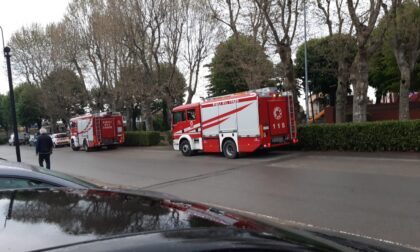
(229, 149)
(185, 148)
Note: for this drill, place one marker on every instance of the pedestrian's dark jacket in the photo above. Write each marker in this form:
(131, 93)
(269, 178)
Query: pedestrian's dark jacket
(44, 144)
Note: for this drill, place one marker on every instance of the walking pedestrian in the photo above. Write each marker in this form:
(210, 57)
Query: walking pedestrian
(44, 146)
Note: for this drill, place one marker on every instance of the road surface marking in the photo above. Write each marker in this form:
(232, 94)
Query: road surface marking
(306, 225)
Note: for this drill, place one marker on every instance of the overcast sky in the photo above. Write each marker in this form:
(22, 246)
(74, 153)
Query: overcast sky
(17, 13)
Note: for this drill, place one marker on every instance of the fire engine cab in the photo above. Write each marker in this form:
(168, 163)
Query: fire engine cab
(96, 130)
(237, 123)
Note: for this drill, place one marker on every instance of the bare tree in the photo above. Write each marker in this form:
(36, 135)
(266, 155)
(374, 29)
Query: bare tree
(66, 48)
(32, 50)
(142, 22)
(404, 35)
(92, 21)
(200, 34)
(173, 32)
(282, 18)
(226, 12)
(343, 50)
(255, 22)
(364, 25)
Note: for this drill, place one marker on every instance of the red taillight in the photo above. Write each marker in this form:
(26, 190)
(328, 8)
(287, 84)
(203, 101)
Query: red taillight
(295, 140)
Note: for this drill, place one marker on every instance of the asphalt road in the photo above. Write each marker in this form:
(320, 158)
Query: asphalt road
(371, 194)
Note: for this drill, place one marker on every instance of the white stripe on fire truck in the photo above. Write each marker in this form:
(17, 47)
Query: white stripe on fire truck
(214, 121)
(189, 129)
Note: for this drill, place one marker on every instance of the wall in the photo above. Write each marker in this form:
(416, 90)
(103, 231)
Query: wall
(379, 112)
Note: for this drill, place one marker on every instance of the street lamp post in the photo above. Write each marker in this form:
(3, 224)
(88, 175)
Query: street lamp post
(7, 55)
(306, 64)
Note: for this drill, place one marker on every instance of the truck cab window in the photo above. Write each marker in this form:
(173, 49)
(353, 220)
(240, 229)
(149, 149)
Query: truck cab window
(191, 115)
(179, 117)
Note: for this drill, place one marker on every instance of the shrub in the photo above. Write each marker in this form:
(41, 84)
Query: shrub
(141, 138)
(369, 136)
(4, 140)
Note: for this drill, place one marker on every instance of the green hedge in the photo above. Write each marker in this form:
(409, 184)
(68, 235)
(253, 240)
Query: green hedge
(369, 136)
(141, 138)
(4, 140)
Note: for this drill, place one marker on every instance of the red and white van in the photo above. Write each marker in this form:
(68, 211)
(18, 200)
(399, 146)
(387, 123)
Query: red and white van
(95, 130)
(237, 123)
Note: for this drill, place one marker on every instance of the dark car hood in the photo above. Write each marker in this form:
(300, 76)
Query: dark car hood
(104, 220)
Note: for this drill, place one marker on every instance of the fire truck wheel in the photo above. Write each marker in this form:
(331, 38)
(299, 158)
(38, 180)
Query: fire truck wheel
(229, 149)
(185, 148)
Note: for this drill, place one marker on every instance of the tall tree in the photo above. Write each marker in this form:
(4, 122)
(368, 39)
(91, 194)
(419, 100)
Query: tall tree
(91, 23)
(342, 46)
(143, 23)
(130, 88)
(239, 64)
(29, 108)
(383, 69)
(200, 34)
(364, 25)
(64, 95)
(5, 115)
(173, 33)
(32, 53)
(227, 12)
(404, 37)
(282, 17)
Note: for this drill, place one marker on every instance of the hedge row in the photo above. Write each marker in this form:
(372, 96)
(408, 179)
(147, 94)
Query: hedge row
(141, 138)
(369, 136)
(4, 140)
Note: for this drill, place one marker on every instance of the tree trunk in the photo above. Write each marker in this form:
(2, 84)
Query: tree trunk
(404, 108)
(133, 117)
(341, 100)
(341, 92)
(285, 53)
(189, 97)
(147, 115)
(79, 72)
(360, 86)
(166, 114)
(378, 99)
(129, 124)
(193, 89)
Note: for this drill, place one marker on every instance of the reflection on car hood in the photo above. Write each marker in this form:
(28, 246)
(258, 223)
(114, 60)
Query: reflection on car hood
(51, 218)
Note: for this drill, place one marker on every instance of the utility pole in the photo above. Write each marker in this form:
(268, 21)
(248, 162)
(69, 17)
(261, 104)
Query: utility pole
(7, 55)
(306, 65)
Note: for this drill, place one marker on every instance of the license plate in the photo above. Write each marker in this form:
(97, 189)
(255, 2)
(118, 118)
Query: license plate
(277, 140)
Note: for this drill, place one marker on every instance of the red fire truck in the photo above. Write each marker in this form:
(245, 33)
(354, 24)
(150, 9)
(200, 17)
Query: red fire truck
(237, 123)
(96, 130)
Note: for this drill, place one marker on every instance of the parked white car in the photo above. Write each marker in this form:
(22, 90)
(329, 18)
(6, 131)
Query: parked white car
(60, 139)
